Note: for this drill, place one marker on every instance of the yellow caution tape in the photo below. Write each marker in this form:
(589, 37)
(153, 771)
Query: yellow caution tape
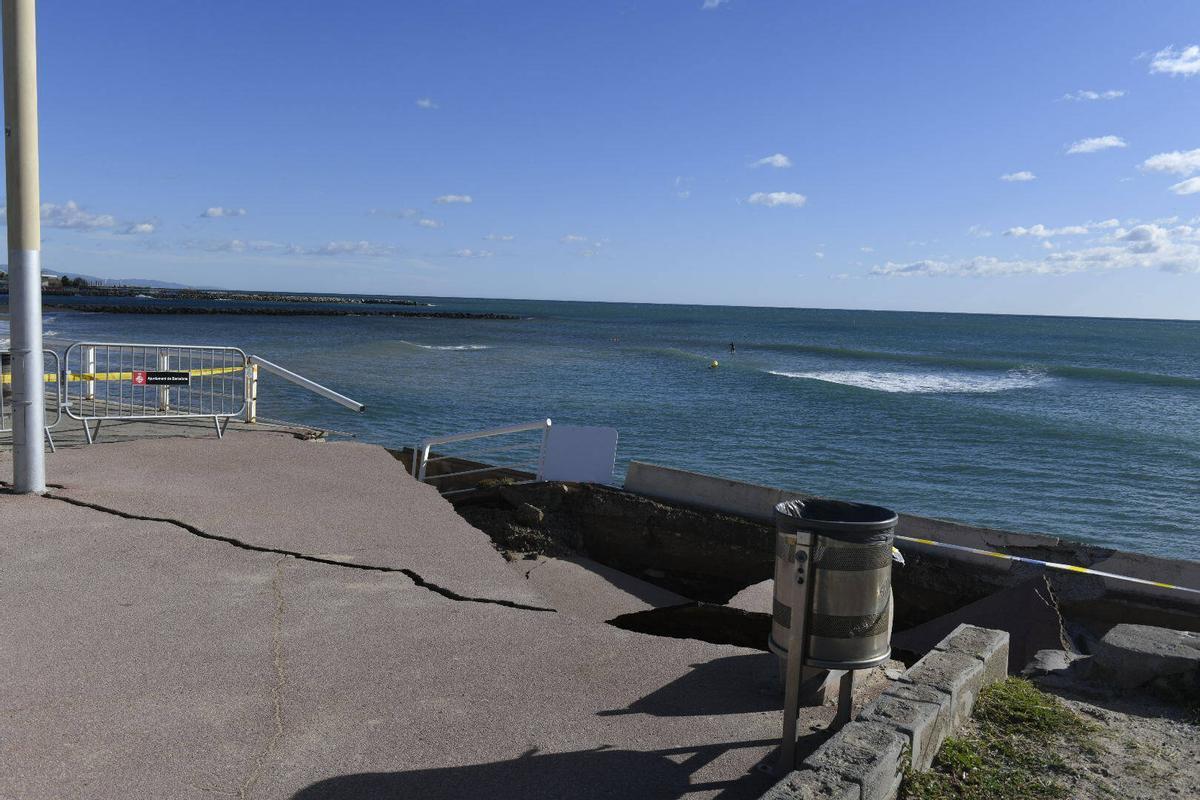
(1049, 564)
(73, 377)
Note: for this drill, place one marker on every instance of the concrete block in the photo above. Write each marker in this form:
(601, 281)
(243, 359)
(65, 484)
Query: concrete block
(866, 753)
(924, 724)
(1132, 656)
(812, 784)
(989, 646)
(918, 693)
(957, 675)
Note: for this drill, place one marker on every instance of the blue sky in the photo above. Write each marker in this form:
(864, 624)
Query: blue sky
(761, 152)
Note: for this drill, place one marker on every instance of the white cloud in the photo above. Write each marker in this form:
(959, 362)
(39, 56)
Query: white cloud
(711, 4)
(1179, 162)
(683, 187)
(426, 103)
(779, 161)
(1096, 144)
(1087, 94)
(344, 248)
(140, 228)
(818, 254)
(979, 232)
(70, 216)
(429, 223)
(1148, 246)
(1171, 62)
(239, 246)
(467, 252)
(1190, 186)
(865, 249)
(453, 198)
(499, 237)
(1040, 231)
(592, 248)
(1019, 177)
(217, 211)
(773, 199)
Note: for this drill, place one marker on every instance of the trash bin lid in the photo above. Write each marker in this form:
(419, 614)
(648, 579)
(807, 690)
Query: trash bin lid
(838, 518)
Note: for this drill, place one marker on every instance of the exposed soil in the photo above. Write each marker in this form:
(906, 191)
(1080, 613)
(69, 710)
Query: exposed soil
(1143, 749)
(703, 555)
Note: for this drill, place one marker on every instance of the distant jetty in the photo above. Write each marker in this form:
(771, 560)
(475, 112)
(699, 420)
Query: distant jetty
(226, 303)
(222, 294)
(268, 311)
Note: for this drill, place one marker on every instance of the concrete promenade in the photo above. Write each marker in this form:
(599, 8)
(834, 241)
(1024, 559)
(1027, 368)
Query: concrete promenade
(265, 617)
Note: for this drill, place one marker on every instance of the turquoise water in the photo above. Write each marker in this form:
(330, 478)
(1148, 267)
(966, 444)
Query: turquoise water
(1083, 428)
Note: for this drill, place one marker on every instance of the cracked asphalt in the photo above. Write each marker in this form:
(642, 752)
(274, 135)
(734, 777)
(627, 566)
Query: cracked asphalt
(262, 617)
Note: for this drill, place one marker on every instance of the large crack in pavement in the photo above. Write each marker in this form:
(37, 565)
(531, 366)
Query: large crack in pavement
(412, 575)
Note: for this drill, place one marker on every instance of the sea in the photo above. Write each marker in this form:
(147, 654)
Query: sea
(1087, 429)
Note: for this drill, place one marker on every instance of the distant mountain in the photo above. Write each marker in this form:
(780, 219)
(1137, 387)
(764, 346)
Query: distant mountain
(149, 283)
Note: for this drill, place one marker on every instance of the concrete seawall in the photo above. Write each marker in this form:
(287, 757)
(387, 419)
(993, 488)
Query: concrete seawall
(1095, 597)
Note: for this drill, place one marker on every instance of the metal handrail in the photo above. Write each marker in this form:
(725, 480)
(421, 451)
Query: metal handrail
(421, 457)
(303, 382)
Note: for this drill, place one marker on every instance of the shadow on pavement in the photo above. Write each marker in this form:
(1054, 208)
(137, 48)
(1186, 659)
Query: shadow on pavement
(596, 774)
(732, 685)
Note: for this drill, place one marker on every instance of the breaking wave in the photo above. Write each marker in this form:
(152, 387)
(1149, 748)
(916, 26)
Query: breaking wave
(924, 382)
(1087, 373)
(448, 346)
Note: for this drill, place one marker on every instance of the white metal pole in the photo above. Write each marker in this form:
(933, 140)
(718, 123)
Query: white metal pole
(24, 244)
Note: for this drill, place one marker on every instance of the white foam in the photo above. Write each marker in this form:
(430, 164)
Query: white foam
(448, 346)
(924, 382)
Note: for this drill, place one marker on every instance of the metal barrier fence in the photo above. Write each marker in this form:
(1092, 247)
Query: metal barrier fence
(50, 374)
(531, 454)
(129, 381)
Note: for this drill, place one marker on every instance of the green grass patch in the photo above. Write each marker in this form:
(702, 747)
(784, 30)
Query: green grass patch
(1012, 752)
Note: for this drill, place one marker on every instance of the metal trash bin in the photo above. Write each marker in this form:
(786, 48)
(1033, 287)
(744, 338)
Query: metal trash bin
(845, 592)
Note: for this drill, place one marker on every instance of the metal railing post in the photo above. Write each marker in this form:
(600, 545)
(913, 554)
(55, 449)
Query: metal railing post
(424, 462)
(252, 394)
(541, 470)
(89, 368)
(164, 392)
(797, 636)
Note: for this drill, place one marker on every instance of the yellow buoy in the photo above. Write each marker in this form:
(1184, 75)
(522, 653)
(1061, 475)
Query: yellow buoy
(714, 364)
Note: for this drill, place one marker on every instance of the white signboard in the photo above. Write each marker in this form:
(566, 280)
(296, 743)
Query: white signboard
(580, 454)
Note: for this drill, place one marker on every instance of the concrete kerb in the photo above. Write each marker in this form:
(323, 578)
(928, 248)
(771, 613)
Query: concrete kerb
(906, 725)
(870, 754)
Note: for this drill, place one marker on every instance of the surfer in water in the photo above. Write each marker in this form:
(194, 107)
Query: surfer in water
(732, 347)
